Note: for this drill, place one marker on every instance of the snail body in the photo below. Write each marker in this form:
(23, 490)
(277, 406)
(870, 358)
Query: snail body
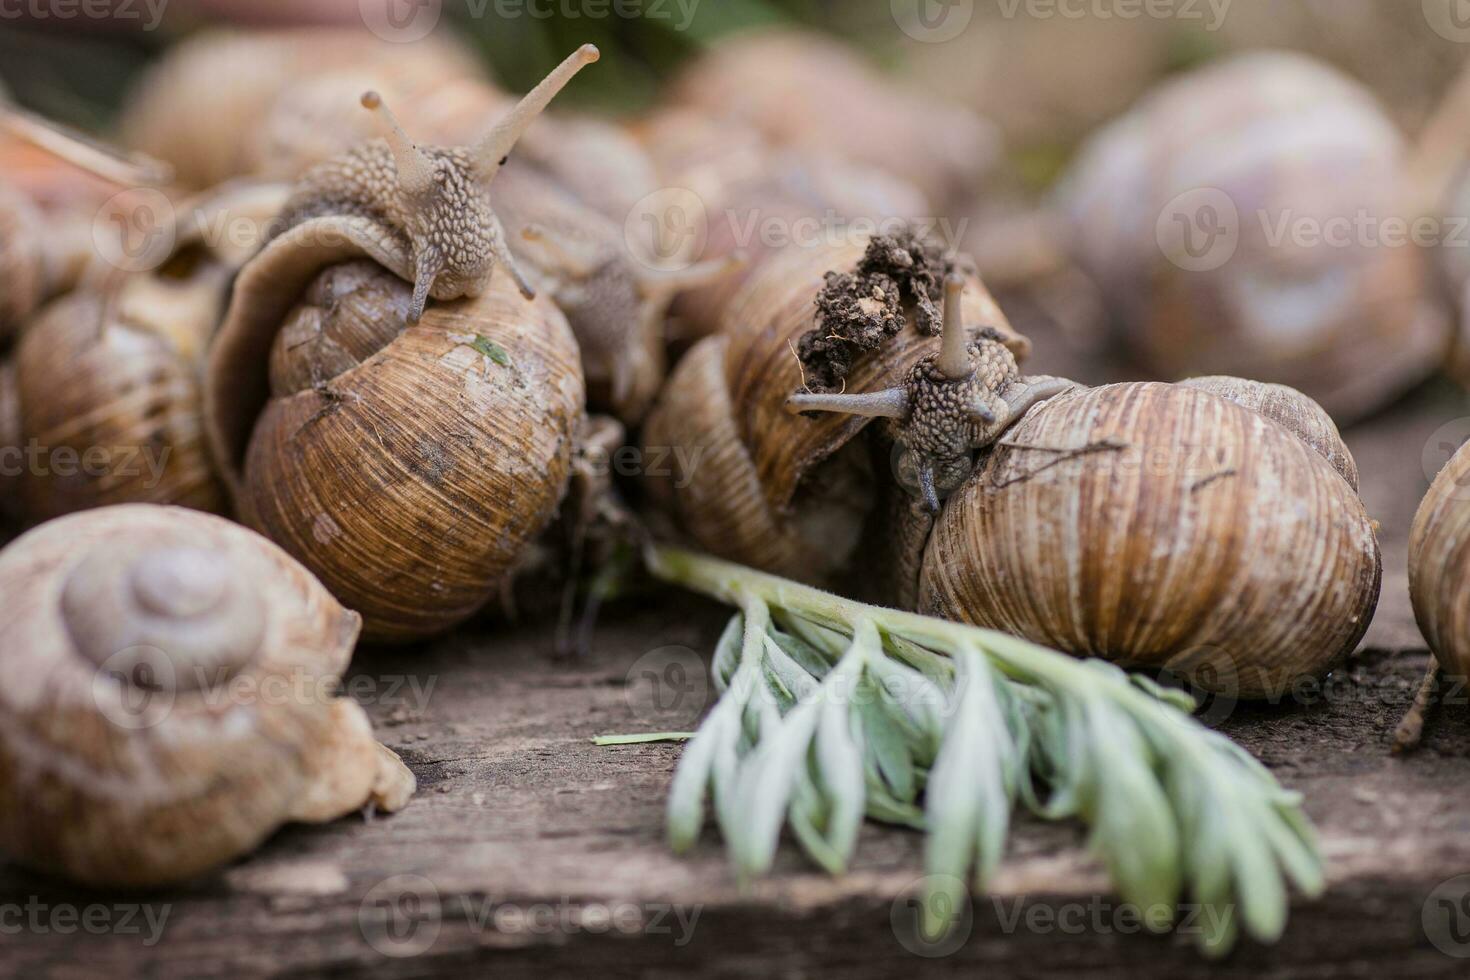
(1185, 212)
(140, 745)
(1439, 566)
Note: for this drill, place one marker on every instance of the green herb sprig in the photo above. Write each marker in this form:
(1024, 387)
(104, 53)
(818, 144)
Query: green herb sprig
(831, 710)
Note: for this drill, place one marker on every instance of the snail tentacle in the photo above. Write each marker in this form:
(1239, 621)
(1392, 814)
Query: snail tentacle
(491, 151)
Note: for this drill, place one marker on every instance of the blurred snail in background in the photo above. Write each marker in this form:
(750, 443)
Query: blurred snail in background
(406, 452)
(1145, 523)
(105, 385)
(54, 185)
(804, 90)
(141, 742)
(1188, 212)
(1439, 565)
(729, 192)
(210, 132)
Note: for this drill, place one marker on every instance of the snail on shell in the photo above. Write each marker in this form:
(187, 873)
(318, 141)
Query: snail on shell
(104, 384)
(564, 201)
(1151, 524)
(405, 451)
(170, 698)
(1220, 219)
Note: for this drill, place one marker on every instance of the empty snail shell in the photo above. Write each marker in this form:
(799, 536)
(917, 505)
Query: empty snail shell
(1165, 527)
(107, 400)
(1439, 565)
(755, 483)
(1188, 211)
(803, 90)
(210, 132)
(170, 701)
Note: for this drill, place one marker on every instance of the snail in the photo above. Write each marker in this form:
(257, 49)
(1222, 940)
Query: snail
(1220, 218)
(1150, 524)
(105, 397)
(560, 207)
(1438, 566)
(170, 702)
(406, 453)
(806, 91)
(211, 132)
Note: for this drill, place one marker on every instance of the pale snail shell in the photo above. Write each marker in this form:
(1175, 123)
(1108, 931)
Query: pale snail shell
(140, 744)
(1255, 146)
(1163, 527)
(110, 377)
(1439, 565)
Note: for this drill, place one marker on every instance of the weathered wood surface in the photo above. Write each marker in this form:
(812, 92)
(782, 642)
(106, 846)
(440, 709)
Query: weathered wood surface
(524, 833)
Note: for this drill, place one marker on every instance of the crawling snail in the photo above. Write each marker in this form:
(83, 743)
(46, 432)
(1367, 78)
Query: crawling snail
(404, 452)
(1150, 524)
(145, 737)
(802, 90)
(211, 132)
(559, 206)
(105, 391)
(1188, 214)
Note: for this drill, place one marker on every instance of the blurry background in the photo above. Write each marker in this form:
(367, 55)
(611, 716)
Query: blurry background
(1046, 71)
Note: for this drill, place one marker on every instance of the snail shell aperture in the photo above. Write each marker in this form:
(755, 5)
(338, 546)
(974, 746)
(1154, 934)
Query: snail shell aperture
(170, 701)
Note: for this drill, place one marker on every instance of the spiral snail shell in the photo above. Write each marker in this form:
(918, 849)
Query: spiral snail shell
(1439, 565)
(140, 743)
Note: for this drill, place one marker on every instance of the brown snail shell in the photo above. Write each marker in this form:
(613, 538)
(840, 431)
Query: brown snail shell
(755, 483)
(804, 90)
(1438, 564)
(1291, 409)
(141, 743)
(106, 381)
(11, 454)
(407, 466)
(1280, 137)
(180, 112)
(1163, 527)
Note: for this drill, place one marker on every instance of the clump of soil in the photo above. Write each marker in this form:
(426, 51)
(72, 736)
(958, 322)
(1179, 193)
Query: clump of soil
(858, 311)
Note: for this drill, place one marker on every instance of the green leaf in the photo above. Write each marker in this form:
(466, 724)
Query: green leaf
(491, 350)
